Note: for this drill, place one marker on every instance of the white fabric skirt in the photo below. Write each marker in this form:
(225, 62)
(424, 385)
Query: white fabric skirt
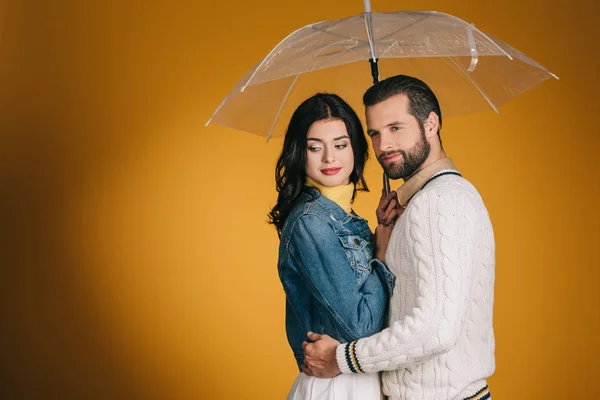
(342, 387)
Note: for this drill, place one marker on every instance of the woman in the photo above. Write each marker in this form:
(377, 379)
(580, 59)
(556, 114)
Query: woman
(333, 284)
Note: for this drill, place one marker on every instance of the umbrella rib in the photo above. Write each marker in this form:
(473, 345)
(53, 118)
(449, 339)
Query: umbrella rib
(475, 84)
(218, 108)
(332, 23)
(268, 55)
(320, 40)
(403, 28)
(420, 34)
(338, 35)
(281, 108)
(383, 38)
(495, 44)
(294, 61)
(408, 37)
(379, 41)
(522, 57)
(280, 43)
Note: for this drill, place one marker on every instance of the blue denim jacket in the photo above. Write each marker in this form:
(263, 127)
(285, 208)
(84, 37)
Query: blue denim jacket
(331, 281)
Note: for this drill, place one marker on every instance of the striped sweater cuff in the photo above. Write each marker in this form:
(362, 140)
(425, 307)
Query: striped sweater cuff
(345, 355)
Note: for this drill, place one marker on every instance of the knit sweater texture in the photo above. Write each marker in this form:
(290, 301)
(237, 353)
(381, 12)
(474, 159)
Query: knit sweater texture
(440, 340)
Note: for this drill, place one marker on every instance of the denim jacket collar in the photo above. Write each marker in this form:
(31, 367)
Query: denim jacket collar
(336, 212)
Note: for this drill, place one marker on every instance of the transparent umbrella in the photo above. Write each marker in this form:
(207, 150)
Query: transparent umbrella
(469, 70)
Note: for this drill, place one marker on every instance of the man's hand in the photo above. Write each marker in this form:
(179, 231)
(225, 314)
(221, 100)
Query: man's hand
(388, 209)
(319, 356)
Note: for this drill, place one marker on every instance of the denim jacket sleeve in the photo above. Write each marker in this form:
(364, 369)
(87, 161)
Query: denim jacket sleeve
(385, 275)
(359, 310)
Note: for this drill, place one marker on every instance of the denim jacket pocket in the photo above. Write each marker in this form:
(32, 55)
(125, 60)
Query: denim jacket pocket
(358, 250)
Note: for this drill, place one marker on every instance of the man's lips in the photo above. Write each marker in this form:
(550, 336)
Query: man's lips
(391, 157)
(330, 171)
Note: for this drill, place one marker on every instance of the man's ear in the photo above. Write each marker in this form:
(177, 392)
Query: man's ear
(432, 125)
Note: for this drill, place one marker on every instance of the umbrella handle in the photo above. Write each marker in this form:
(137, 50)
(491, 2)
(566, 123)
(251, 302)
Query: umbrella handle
(374, 69)
(386, 183)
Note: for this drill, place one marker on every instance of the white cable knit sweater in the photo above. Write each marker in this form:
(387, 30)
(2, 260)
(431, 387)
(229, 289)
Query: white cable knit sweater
(440, 340)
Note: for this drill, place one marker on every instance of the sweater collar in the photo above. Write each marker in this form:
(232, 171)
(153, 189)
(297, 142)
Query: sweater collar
(340, 195)
(416, 182)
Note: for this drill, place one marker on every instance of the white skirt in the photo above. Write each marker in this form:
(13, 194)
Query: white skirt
(342, 387)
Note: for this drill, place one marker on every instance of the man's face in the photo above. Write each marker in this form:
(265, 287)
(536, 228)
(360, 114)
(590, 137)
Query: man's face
(398, 138)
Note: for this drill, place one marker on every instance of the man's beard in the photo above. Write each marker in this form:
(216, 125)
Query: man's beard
(411, 160)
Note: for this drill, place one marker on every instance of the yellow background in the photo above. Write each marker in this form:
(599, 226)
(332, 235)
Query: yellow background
(136, 261)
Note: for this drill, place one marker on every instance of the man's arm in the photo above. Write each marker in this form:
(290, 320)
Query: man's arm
(441, 231)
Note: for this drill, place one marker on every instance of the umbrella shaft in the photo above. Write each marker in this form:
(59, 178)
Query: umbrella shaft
(375, 73)
(374, 70)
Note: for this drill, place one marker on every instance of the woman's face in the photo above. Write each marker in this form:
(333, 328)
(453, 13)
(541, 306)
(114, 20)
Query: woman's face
(329, 155)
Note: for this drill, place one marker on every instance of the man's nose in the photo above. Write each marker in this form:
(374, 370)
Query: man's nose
(385, 141)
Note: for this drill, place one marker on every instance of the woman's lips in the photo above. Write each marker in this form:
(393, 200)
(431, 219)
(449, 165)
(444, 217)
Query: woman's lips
(330, 171)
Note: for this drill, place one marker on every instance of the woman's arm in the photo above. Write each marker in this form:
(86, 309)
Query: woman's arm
(317, 253)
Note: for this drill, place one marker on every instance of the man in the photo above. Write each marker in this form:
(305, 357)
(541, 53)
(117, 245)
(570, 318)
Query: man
(440, 340)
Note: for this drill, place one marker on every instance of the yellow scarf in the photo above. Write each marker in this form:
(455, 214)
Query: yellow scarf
(340, 195)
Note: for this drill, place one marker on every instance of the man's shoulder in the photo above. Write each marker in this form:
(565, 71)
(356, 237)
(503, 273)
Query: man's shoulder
(451, 199)
(450, 185)
(448, 188)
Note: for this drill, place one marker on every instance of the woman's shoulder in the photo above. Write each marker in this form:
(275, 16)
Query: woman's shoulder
(307, 214)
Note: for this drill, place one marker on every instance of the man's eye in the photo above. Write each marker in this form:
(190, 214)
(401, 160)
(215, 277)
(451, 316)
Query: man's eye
(373, 134)
(395, 128)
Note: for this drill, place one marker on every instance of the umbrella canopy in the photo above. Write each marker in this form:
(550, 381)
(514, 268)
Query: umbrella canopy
(469, 70)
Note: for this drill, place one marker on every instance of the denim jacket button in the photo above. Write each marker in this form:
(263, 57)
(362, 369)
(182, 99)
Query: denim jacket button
(356, 241)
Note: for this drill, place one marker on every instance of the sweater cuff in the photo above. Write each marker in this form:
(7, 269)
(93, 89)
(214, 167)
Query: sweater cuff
(346, 358)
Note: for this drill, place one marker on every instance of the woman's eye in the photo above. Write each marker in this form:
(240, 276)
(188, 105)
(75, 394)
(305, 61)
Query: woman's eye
(313, 149)
(341, 146)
